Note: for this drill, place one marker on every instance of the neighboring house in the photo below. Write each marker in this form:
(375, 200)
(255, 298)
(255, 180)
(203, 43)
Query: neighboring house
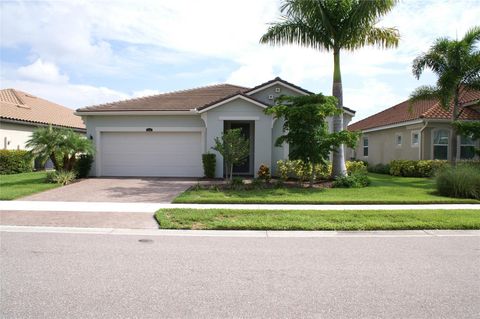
(22, 113)
(166, 134)
(419, 133)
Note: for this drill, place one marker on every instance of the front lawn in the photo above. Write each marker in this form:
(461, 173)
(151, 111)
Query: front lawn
(19, 185)
(385, 189)
(317, 220)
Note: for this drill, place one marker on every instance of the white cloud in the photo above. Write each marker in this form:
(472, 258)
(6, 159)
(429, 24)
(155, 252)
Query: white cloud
(42, 72)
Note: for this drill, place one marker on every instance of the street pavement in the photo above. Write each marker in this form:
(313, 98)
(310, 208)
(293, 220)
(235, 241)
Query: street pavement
(82, 275)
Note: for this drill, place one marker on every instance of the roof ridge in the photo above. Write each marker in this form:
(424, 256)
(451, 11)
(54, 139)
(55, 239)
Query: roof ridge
(166, 93)
(18, 97)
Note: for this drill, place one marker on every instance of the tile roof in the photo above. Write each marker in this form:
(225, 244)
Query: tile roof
(278, 79)
(184, 100)
(230, 96)
(428, 109)
(20, 106)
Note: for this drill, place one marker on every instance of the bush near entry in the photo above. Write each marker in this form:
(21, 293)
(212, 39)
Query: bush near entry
(15, 161)
(209, 162)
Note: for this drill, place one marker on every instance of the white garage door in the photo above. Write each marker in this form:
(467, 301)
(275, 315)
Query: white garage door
(151, 154)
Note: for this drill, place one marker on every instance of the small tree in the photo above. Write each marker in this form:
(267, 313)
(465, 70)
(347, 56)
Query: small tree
(233, 147)
(306, 128)
(54, 144)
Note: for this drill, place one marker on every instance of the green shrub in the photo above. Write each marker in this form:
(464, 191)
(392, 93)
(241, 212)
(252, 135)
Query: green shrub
(209, 161)
(296, 169)
(423, 168)
(462, 181)
(355, 180)
(356, 167)
(258, 183)
(61, 177)
(379, 168)
(83, 165)
(236, 183)
(15, 161)
(264, 173)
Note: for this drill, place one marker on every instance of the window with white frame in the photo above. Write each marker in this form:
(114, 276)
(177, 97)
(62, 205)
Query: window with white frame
(467, 147)
(440, 144)
(415, 138)
(398, 140)
(365, 146)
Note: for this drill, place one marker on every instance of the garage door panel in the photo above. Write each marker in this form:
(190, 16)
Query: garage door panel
(151, 154)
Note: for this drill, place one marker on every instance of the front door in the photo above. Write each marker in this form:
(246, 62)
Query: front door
(245, 129)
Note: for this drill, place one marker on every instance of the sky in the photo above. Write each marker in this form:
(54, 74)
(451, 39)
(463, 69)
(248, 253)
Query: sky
(80, 53)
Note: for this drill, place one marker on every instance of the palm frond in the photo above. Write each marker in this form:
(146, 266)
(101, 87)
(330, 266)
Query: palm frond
(432, 60)
(472, 36)
(381, 37)
(296, 32)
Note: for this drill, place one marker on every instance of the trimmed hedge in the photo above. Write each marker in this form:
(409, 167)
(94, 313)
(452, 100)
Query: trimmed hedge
(209, 162)
(379, 169)
(83, 165)
(15, 161)
(424, 168)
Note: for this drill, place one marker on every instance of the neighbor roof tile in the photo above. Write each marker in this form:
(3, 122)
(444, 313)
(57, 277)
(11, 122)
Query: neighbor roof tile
(20, 106)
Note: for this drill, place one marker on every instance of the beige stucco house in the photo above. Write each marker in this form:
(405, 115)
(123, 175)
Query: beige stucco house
(419, 133)
(166, 134)
(22, 113)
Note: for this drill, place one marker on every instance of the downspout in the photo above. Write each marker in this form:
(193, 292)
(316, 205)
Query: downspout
(420, 148)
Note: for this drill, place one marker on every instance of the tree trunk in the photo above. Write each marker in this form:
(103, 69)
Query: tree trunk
(312, 175)
(338, 158)
(454, 135)
(231, 172)
(54, 161)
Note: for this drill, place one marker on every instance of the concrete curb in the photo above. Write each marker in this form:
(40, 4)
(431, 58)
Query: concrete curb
(241, 233)
(152, 207)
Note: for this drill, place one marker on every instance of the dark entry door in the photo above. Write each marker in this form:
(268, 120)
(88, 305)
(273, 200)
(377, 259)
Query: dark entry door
(245, 129)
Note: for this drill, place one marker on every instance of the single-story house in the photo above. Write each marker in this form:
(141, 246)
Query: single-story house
(166, 134)
(421, 132)
(22, 113)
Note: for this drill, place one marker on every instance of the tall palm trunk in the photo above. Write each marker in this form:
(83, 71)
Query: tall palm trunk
(454, 135)
(338, 160)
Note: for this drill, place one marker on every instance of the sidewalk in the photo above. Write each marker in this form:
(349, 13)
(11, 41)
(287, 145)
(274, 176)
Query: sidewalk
(152, 207)
(242, 233)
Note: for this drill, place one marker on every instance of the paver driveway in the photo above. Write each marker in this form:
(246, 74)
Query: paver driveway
(157, 190)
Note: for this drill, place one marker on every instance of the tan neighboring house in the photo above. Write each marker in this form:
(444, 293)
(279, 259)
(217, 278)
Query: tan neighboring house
(22, 113)
(421, 133)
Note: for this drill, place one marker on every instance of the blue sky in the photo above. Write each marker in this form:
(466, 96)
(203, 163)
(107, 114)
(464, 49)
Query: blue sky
(79, 53)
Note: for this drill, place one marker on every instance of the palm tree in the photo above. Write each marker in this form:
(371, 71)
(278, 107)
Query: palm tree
(457, 66)
(333, 25)
(54, 144)
(43, 144)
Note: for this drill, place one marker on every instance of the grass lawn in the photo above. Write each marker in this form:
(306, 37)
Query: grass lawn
(385, 189)
(19, 185)
(316, 220)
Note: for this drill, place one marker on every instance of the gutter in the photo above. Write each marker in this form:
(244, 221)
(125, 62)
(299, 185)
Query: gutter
(420, 147)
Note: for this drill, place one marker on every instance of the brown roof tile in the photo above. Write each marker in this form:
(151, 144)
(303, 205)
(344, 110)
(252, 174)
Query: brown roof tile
(184, 100)
(20, 106)
(428, 109)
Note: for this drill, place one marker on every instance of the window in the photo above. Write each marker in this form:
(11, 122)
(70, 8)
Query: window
(467, 147)
(398, 140)
(440, 144)
(365, 146)
(415, 139)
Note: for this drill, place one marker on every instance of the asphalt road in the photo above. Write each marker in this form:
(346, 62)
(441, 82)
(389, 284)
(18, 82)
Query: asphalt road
(116, 276)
